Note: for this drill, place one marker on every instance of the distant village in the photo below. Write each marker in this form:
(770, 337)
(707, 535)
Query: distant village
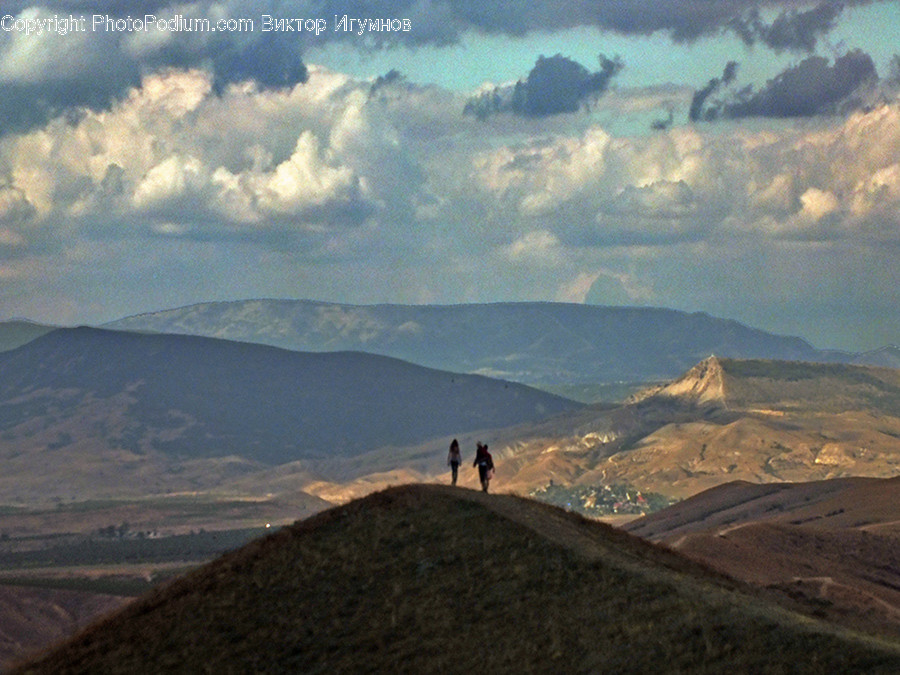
(602, 500)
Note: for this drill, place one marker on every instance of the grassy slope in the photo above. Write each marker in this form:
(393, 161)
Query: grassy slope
(432, 579)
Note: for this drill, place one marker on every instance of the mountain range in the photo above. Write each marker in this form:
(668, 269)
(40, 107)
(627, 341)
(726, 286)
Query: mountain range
(19, 332)
(163, 432)
(439, 579)
(538, 343)
(110, 412)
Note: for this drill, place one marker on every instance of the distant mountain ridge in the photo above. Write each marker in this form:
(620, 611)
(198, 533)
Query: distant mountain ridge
(18, 332)
(531, 342)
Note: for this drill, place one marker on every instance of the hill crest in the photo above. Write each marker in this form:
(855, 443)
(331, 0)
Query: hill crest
(415, 578)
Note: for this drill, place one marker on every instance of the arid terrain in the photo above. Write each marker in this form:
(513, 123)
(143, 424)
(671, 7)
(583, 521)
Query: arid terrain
(832, 545)
(723, 420)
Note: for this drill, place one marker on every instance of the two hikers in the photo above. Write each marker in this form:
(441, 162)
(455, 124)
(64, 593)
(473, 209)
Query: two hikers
(483, 461)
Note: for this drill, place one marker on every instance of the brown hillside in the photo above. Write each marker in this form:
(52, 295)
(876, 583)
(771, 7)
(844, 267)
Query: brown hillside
(434, 579)
(834, 545)
(31, 618)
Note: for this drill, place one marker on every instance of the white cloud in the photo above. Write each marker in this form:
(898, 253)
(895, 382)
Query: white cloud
(29, 57)
(308, 177)
(817, 204)
(170, 179)
(577, 290)
(14, 206)
(539, 247)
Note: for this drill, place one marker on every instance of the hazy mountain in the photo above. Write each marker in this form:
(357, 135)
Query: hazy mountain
(535, 343)
(19, 332)
(430, 579)
(887, 357)
(84, 404)
(832, 544)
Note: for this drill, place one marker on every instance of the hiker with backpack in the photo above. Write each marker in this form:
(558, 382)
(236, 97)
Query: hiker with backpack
(485, 464)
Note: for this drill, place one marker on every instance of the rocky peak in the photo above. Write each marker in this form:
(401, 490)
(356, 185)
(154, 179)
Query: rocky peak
(703, 384)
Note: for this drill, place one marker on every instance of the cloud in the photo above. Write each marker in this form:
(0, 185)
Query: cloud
(339, 189)
(14, 209)
(555, 85)
(812, 87)
(536, 247)
(611, 287)
(308, 181)
(818, 203)
(792, 29)
(176, 159)
(795, 26)
(45, 76)
(49, 74)
(699, 99)
(683, 185)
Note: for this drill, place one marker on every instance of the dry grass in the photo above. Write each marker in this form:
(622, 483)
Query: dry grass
(428, 579)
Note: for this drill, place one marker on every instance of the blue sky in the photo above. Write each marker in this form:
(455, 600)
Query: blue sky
(735, 157)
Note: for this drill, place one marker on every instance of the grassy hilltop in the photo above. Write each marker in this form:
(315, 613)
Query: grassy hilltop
(437, 579)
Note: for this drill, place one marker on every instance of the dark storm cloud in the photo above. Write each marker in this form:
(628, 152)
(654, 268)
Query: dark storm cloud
(26, 105)
(813, 87)
(555, 85)
(798, 26)
(276, 60)
(111, 64)
(699, 99)
(791, 30)
(272, 61)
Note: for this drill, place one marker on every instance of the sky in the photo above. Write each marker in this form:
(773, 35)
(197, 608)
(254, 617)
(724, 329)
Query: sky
(734, 157)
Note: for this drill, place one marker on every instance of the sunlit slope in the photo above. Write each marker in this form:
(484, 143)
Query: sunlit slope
(723, 420)
(436, 579)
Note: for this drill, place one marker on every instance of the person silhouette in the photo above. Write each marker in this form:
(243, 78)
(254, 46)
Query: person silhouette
(453, 459)
(485, 464)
